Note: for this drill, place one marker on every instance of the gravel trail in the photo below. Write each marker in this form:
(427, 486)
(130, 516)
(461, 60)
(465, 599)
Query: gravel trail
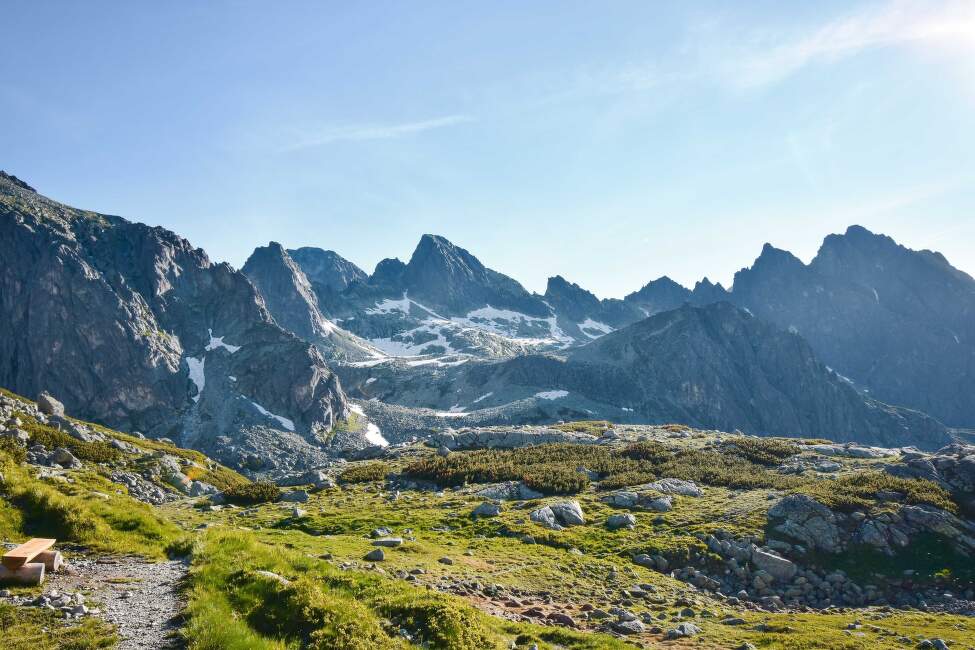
(140, 597)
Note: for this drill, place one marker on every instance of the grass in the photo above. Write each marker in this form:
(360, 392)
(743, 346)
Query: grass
(339, 522)
(40, 629)
(90, 511)
(234, 606)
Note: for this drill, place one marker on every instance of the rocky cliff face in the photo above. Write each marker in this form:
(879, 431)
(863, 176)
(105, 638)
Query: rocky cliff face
(294, 304)
(898, 322)
(131, 326)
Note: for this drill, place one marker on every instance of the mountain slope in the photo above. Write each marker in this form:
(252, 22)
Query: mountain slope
(294, 305)
(713, 366)
(582, 315)
(132, 326)
(898, 322)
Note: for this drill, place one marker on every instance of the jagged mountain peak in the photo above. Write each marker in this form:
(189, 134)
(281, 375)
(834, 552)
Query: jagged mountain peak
(326, 269)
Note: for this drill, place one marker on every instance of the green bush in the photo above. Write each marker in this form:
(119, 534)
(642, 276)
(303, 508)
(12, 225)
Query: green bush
(764, 451)
(859, 491)
(13, 449)
(555, 479)
(252, 493)
(364, 473)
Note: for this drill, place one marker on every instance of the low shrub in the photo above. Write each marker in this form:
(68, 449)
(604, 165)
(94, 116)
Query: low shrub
(554, 479)
(51, 438)
(594, 427)
(252, 493)
(13, 449)
(364, 473)
(859, 491)
(764, 451)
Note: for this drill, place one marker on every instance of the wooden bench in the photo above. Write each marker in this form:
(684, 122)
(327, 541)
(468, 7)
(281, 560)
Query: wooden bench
(26, 563)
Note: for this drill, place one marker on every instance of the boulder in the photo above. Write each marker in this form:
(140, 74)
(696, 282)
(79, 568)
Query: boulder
(807, 521)
(617, 521)
(544, 516)
(569, 513)
(388, 542)
(199, 488)
(48, 405)
(64, 458)
(487, 509)
(375, 555)
(295, 496)
(675, 486)
(779, 568)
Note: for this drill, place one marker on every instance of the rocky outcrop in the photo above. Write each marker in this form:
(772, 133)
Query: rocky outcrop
(131, 326)
(508, 438)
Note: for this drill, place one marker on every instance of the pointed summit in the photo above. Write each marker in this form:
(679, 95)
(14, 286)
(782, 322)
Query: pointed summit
(326, 269)
(286, 291)
(662, 294)
(449, 278)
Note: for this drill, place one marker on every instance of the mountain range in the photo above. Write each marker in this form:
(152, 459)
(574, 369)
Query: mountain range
(871, 341)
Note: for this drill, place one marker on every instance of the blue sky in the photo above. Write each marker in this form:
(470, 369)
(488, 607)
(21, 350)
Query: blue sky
(608, 142)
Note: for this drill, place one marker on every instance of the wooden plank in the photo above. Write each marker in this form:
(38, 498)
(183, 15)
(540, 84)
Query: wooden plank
(29, 574)
(24, 553)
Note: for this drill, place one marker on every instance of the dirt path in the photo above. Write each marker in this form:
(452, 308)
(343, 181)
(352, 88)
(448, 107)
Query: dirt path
(141, 598)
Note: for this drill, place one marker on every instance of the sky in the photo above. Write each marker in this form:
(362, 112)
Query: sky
(610, 143)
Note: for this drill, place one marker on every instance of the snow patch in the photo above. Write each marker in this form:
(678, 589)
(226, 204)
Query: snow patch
(483, 397)
(374, 436)
(552, 394)
(594, 325)
(370, 380)
(283, 421)
(197, 376)
(217, 342)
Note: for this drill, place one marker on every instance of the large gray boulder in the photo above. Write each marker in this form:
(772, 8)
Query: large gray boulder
(807, 521)
(569, 513)
(48, 405)
(778, 567)
(544, 516)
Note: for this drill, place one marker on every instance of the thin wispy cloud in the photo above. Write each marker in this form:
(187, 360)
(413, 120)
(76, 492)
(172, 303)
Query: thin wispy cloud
(358, 132)
(947, 24)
